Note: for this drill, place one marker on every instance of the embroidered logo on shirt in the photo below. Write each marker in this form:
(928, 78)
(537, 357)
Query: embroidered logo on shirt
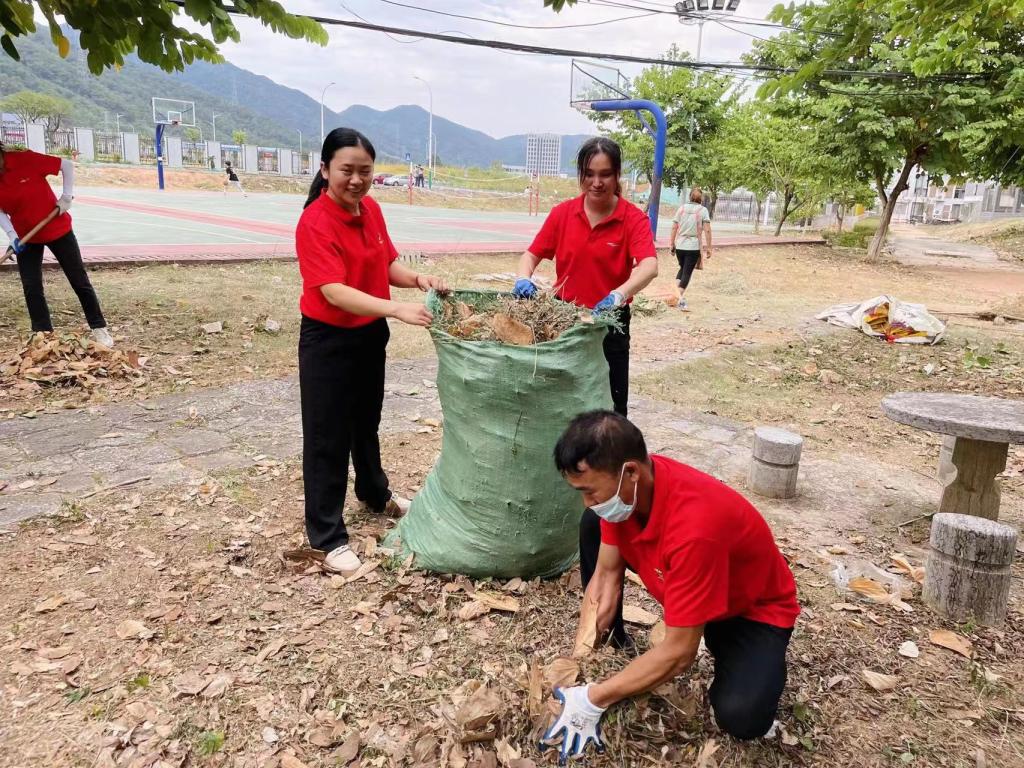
(380, 239)
(613, 245)
(659, 574)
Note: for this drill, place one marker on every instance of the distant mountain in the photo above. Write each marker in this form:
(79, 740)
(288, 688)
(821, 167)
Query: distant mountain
(269, 113)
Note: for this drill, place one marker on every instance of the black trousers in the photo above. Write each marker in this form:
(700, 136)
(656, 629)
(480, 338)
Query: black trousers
(750, 656)
(30, 267)
(688, 261)
(616, 352)
(341, 382)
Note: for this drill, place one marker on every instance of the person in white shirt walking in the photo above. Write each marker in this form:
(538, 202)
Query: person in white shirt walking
(691, 240)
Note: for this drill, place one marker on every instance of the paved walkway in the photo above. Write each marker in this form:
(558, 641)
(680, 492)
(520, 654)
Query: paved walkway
(124, 227)
(180, 439)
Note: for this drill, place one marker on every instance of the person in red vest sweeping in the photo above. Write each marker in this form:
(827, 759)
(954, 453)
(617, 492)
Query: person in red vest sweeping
(26, 200)
(703, 552)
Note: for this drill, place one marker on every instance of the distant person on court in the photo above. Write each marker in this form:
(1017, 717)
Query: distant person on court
(232, 178)
(348, 265)
(603, 251)
(25, 200)
(690, 226)
(419, 176)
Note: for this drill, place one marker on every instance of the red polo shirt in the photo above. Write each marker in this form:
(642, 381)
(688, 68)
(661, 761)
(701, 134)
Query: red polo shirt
(591, 262)
(334, 246)
(26, 197)
(705, 553)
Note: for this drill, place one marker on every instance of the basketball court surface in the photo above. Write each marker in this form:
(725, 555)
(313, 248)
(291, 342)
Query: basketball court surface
(134, 226)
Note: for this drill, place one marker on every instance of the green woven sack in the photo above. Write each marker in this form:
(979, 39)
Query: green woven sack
(494, 504)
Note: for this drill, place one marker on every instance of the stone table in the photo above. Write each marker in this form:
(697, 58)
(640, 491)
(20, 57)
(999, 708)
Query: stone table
(979, 431)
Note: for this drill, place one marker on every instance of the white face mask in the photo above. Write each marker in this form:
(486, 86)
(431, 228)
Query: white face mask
(615, 510)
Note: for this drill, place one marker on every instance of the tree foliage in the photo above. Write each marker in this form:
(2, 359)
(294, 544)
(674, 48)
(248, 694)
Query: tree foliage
(239, 137)
(34, 107)
(925, 106)
(695, 109)
(112, 29)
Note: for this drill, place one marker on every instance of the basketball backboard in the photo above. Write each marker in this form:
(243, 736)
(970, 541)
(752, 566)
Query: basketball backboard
(174, 112)
(592, 82)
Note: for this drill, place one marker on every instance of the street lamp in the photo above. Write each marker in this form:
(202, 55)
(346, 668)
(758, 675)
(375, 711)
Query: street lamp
(117, 121)
(692, 12)
(214, 121)
(322, 94)
(300, 142)
(430, 131)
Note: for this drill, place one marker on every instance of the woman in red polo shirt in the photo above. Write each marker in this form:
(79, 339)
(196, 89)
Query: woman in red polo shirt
(603, 250)
(25, 200)
(348, 264)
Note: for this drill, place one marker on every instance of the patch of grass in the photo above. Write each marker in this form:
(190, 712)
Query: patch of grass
(210, 742)
(75, 695)
(855, 239)
(140, 681)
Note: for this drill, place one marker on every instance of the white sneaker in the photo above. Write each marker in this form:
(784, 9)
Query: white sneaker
(102, 336)
(401, 503)
(342, 560)
(396, 506)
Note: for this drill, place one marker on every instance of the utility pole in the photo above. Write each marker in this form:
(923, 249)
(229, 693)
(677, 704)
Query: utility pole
(322, 94)
(696, 12)
(214, 121)
(430, 132)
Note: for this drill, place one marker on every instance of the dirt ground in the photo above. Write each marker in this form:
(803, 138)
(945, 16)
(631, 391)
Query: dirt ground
(169, 629)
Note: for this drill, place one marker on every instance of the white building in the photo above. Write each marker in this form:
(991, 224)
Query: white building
(936, 198)
(544, 154)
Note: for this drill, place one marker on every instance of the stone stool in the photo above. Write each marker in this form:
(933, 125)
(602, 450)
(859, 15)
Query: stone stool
(774, 463)
(968, 572)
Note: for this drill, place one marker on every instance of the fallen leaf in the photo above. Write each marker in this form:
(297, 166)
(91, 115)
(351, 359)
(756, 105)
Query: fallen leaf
(952, 641)
(362, 571)
(321, 737)
(706, 753)
(561, 672)
(479, 709)
(512, 331)
(634, 614)
(847, 607)
(53, 654)
(472, 610)
(498, 602)
(290, 761)
(879, 681)
(586, 631)
(424, 748)
(218, 686)
(348, 751)
(535, 692)
(872, 590)
(130, 628)
(913, 571)
(270, 735)
(964, 714)
(189, 684)
(506, 752)
(835, 549)
(910, 650)
(70, 664)
(217, 327)
(270, 650)
(50, 604)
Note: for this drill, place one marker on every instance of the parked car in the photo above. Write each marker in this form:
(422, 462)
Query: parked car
(396, 181)
(379, 178)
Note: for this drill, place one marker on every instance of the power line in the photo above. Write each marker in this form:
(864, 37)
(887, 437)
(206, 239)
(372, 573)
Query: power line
(503, 45)
(521, 26)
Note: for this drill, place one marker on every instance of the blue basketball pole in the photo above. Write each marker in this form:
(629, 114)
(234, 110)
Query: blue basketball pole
(660, 134)
(159, 154)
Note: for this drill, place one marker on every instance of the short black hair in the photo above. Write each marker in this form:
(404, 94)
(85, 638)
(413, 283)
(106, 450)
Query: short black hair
(603, 439)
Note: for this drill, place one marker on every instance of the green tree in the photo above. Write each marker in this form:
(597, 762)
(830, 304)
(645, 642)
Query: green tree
(695, 110)
(191, 134)
(238, 137)
(34, 107)
(112, 29)
(902, 99)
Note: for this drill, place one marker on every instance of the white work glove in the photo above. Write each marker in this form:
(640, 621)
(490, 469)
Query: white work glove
(63, 204)
(577, 726)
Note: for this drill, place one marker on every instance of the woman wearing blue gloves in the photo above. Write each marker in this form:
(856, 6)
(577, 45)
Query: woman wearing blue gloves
(603, 251)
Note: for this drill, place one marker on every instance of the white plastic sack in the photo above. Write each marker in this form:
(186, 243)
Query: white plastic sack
(888, 318)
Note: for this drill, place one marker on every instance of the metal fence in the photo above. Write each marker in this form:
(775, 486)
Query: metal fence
(63, 142)
(147, 149)
(13, 134)
(267, 160)
(736, 208)
(193, 154)
(300, 164)
(109, 147)
(232, 153)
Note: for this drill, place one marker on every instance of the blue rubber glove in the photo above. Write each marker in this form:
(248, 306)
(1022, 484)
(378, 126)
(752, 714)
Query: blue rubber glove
(17, 247)
(524, 288)
(577, 726)
(611, 301)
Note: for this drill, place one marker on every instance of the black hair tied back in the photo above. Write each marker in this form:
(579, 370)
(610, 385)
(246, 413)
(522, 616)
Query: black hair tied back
(337, 139)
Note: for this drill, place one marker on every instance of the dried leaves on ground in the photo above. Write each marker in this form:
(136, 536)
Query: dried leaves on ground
(66, 360)
(504, 318)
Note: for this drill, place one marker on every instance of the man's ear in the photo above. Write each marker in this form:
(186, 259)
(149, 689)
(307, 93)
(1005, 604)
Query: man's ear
(631, 469)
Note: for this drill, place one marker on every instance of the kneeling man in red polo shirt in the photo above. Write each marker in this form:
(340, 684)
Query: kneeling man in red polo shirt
(703, 552)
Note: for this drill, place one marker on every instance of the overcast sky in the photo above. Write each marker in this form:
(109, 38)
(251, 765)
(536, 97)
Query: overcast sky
(496, 92)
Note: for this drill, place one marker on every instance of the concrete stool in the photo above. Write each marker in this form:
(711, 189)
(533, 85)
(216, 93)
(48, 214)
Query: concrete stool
(968, 572)
(774, 463)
